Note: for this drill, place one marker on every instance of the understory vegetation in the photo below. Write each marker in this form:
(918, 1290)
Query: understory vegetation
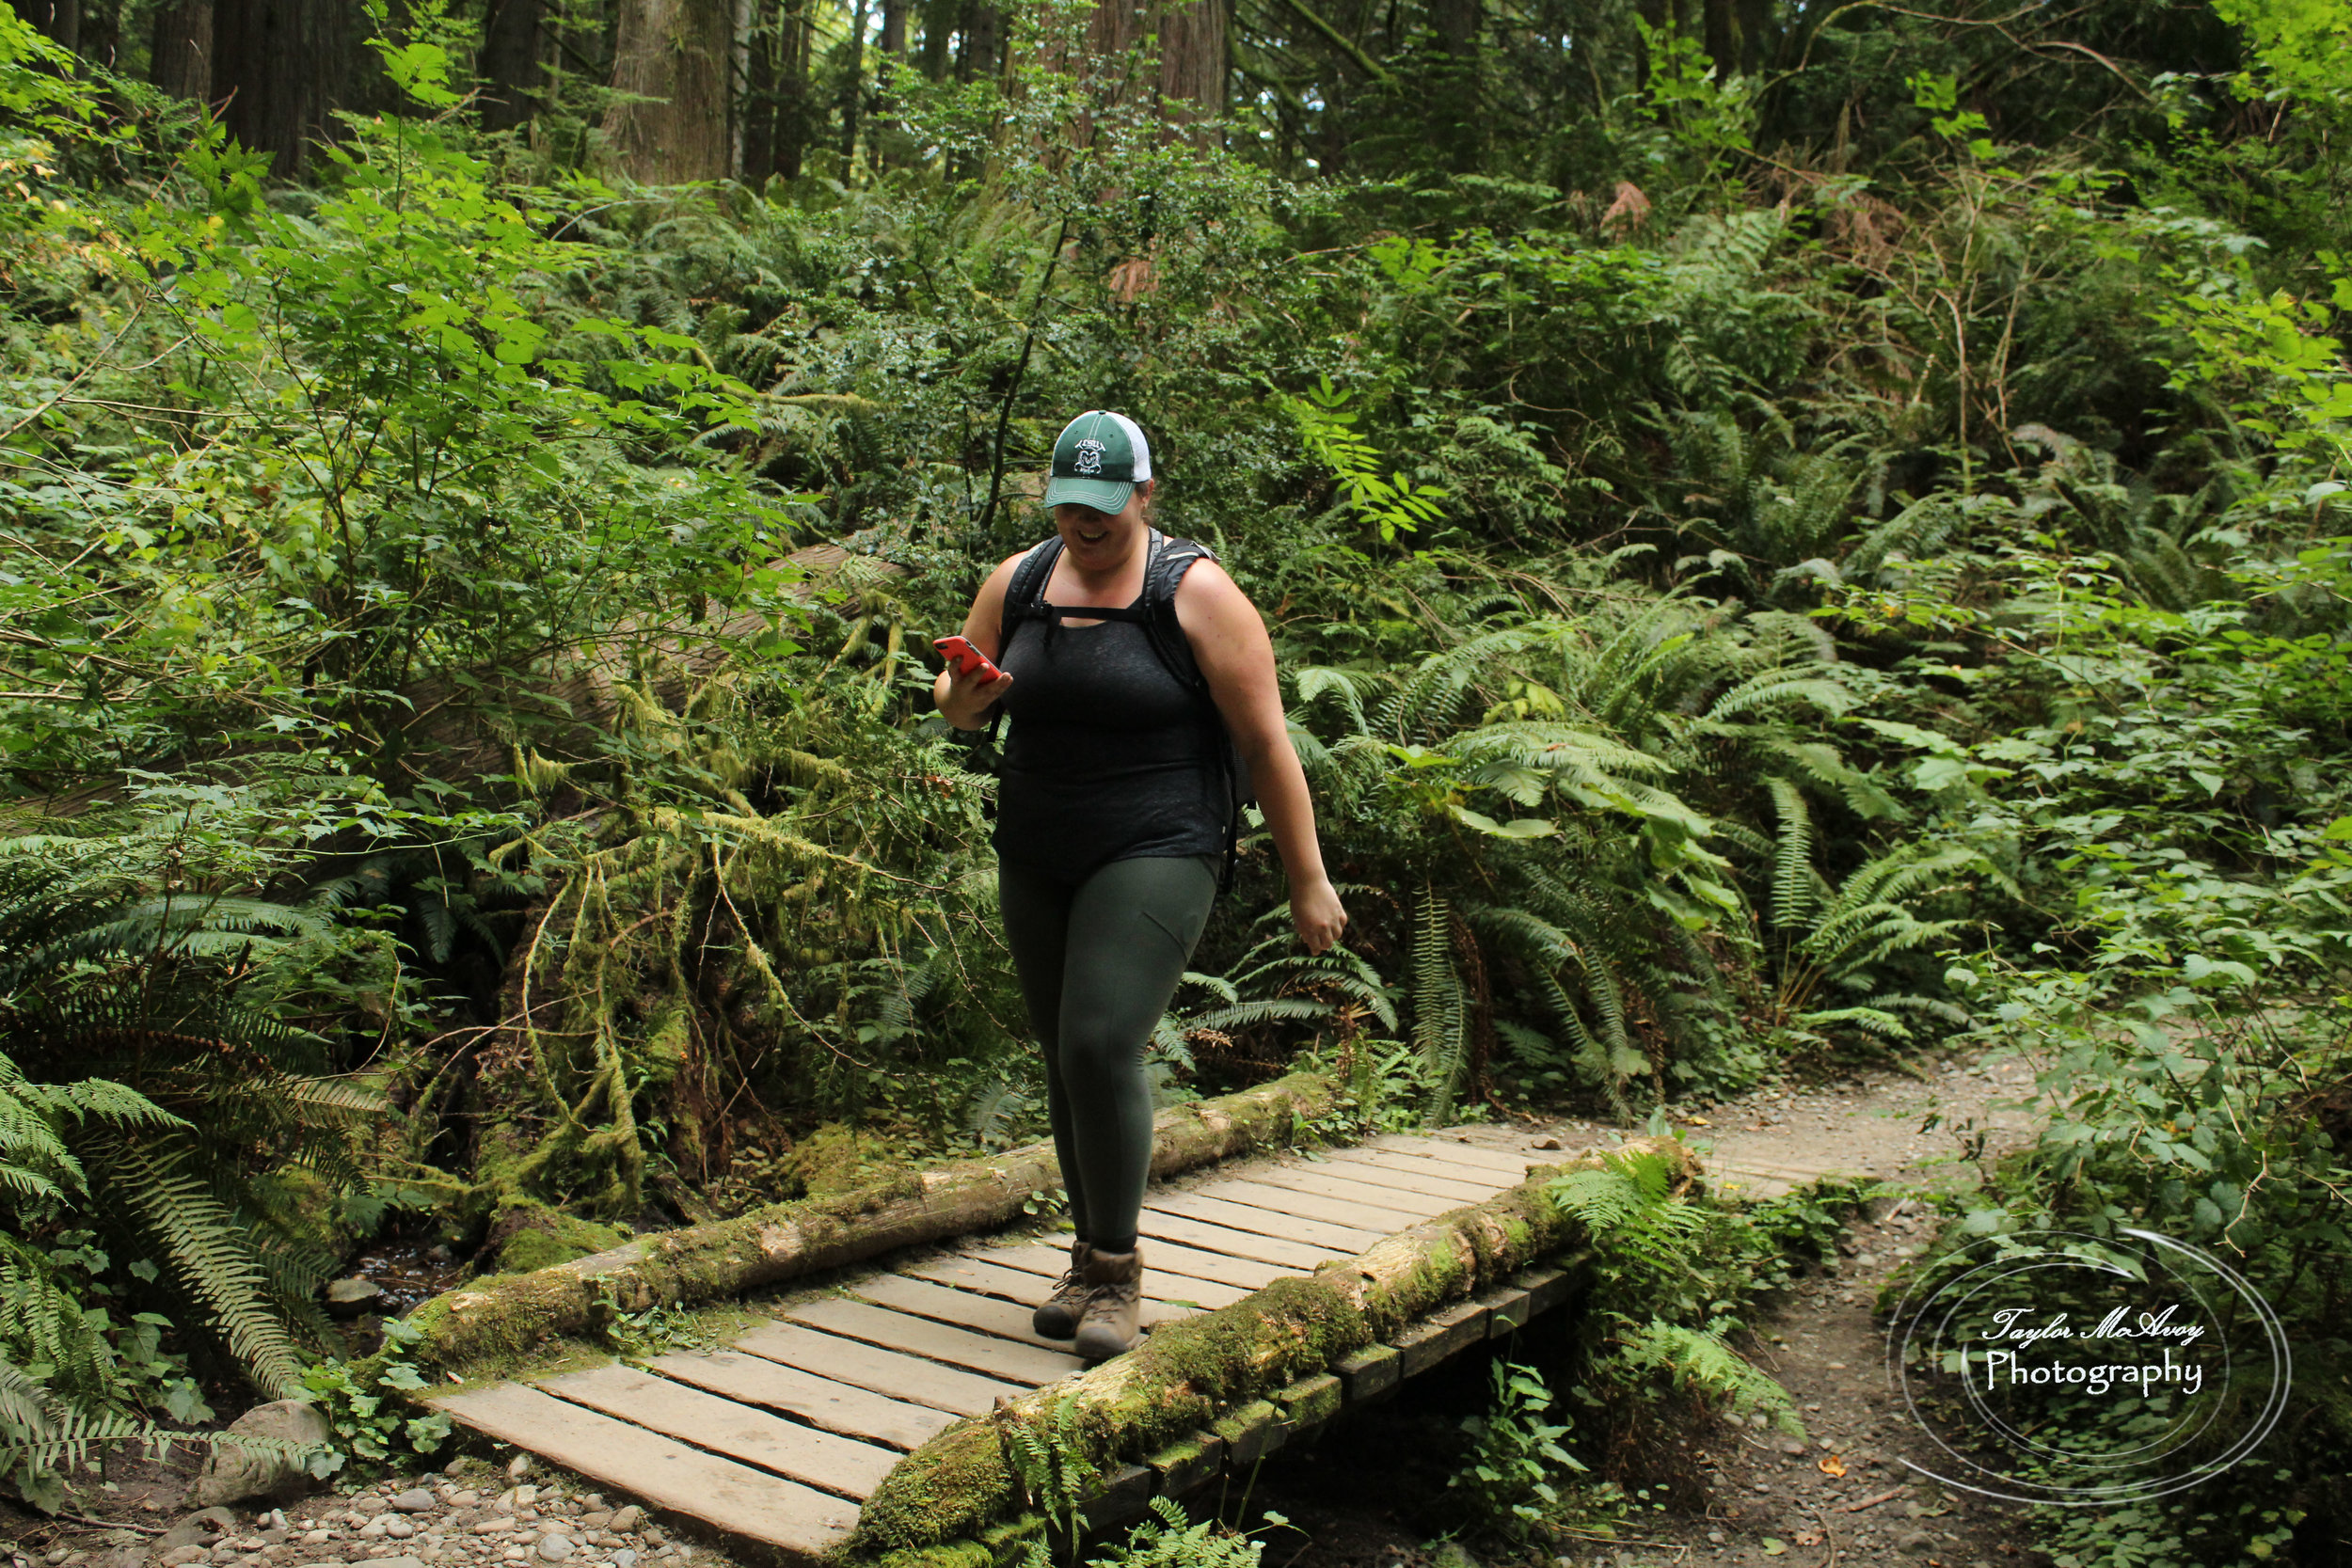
(1787, 546)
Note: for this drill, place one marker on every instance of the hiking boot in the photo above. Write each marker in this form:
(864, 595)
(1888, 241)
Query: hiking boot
(1114, 1303)
(1056, 1316)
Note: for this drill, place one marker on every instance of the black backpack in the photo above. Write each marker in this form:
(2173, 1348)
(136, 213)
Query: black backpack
(1163, 570)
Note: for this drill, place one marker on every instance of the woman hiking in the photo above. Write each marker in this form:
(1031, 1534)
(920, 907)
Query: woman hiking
(1127, 660)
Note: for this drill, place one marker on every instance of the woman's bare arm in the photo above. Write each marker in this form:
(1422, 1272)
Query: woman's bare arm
(1230, 642)
(966, 699)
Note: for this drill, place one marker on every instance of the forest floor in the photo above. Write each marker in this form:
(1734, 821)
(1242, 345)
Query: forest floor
(1371, 1492)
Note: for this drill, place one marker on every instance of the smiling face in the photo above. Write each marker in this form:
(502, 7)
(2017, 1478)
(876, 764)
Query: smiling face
(1102, 541)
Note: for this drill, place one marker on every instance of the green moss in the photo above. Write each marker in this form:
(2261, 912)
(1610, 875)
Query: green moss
(950, 1487)
(830, 1159)
(526, 1235)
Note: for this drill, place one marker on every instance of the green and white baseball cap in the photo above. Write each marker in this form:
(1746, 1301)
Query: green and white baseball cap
(1098, 459)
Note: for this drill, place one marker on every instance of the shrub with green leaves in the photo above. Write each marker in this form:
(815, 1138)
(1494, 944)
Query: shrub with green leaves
(1509, 1481)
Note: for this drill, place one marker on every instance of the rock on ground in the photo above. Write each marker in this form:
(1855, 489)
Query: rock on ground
(233, 1474)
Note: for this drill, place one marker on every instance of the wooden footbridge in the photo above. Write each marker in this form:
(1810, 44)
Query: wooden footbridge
(778, 1442)
(778, 1438)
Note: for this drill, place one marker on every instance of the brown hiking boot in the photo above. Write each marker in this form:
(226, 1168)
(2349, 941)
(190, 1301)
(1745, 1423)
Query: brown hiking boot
(1114, 1303)
(1056, 1317)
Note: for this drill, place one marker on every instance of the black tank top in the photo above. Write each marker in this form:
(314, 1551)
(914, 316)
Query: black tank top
(1109, 756)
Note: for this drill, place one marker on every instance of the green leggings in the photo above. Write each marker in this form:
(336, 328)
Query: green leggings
(1098, 962)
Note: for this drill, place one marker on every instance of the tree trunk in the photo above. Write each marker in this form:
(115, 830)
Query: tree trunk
(940, 18)
(983, 42)
(791, 92)
(280, 64)
(1192, 66)
(180, 57)
(59, 21)
(513, 63)
(853, 86)
(759, 96)
(672, 58)
(892, 47)
(718, 1262)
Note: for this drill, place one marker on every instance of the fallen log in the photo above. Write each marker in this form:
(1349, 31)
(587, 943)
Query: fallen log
(955, 1487)
(511, 1314)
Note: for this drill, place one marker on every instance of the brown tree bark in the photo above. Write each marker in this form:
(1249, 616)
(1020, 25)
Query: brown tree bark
(672, 60)
(514, 62)
(1192, 65)
(759, 95)
(180, 60)
(283, 66)
(791, 92)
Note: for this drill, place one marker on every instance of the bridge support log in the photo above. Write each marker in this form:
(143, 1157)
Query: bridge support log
(1212, 1373)
(511, 1314)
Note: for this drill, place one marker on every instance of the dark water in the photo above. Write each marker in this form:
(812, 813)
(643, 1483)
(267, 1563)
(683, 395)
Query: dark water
(407, 1270)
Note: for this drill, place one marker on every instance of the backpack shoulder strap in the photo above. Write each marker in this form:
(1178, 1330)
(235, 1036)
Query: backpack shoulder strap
(1162, 575)
(1024, 596)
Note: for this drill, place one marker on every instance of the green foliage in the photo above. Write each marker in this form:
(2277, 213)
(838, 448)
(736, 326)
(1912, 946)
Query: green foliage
(1393, 505)
(375, 1425)
(1507, 1480)
(169, 1096)
(1049, 1460)
(1169, 1539)
(1676, 1269)
(655, 1330)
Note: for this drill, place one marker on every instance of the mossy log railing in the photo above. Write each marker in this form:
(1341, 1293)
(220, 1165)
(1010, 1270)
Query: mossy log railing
(936, 1503)
(511, 1314)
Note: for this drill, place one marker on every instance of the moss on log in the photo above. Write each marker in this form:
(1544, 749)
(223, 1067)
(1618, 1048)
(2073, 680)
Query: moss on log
(510, 1315)
(1185, 1374)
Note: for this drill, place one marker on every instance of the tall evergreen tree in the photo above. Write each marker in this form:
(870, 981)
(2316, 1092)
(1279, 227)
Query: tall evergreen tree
(671, 63)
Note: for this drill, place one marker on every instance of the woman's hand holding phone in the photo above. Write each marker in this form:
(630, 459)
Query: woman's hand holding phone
(970, 686)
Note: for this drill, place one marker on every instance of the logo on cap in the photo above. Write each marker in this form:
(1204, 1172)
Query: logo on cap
(1090, 458)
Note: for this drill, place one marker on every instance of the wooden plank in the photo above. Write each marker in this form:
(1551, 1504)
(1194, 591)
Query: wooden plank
(982, 1314)
(1406, 1164)
(1158, 1283)
(1243, 1217)
(1440, 1335)
(1023, 1289)
(1300, 1255)
(1189, 1461)
(1421, 1205)
(904, 1332)
(727, 1497)
(1246, 1273)
(1379, 1219)
(880, 1371)
(1414, 1174)
(820, 1401)
(828, 1463)
(1371, 1372)
(1448, 1151)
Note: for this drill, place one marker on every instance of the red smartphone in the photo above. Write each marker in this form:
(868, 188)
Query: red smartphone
(966, 657)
